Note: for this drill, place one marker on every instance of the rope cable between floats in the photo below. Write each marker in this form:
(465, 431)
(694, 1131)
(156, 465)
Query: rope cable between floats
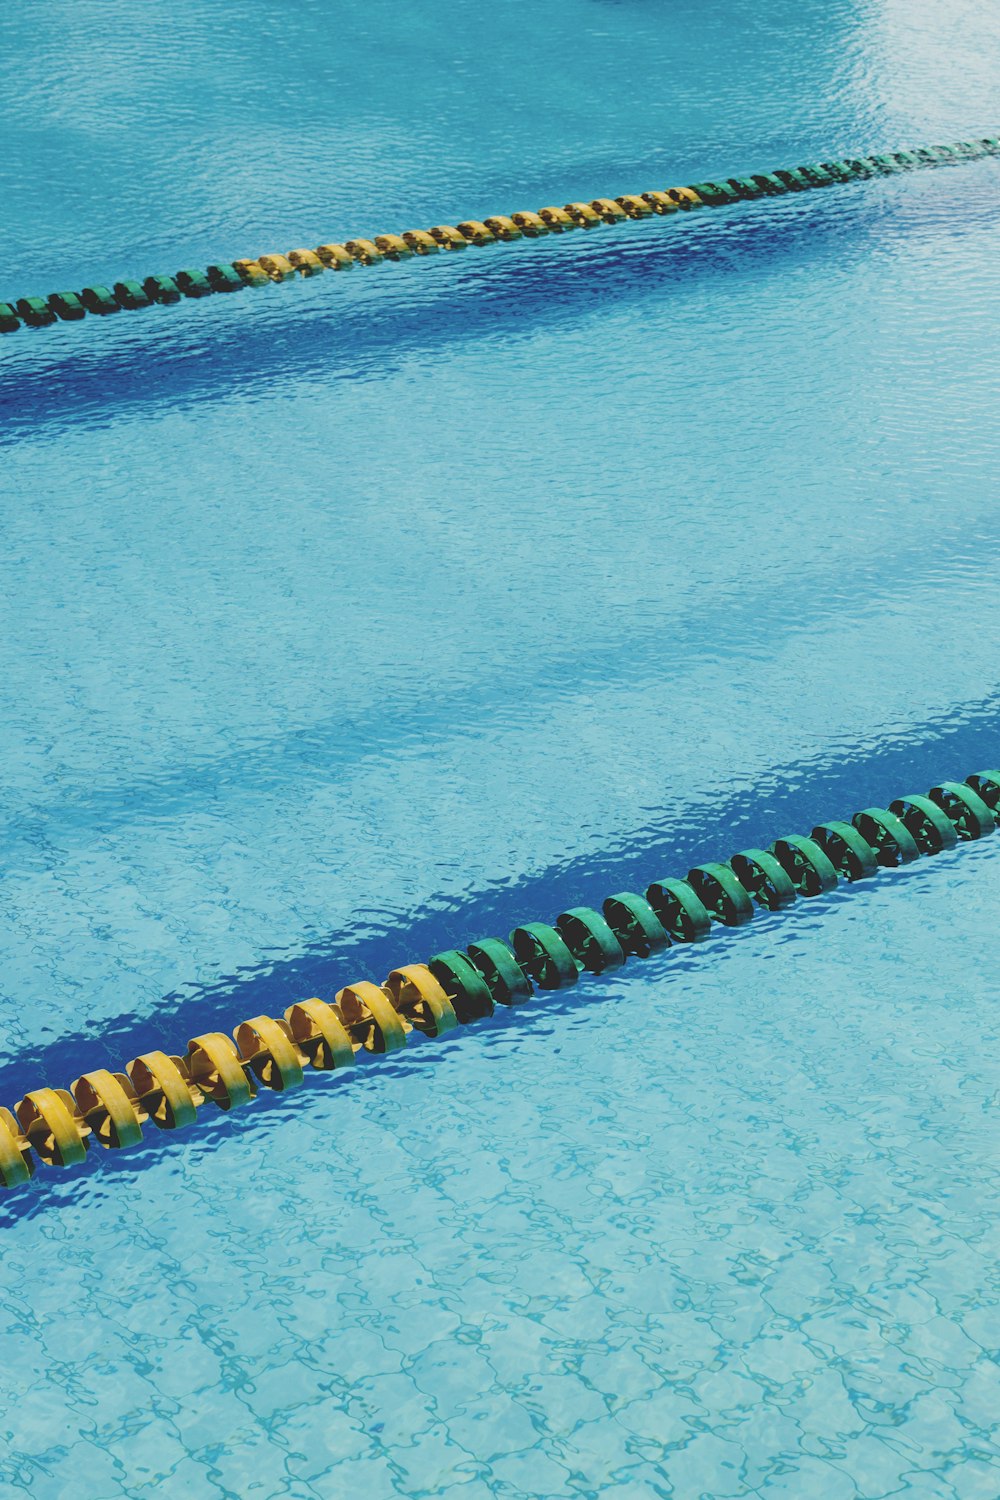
(262, 270)
(454, 988)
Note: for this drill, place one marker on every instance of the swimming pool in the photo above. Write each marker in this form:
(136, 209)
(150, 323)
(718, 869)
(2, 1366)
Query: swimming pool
(357, 618)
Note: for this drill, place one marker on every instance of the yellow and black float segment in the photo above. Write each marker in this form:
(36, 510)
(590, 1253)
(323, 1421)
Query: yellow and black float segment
(251, 272)
(635, 206)
(530, 224)
(265, 1046)
(370, 1018)
(42, 312)
(476, 233)
(457, 987)
(107, 1106)
(421, 1000)
(583, 216)
(660, 203)
(365, 252)
(52, 1127)
(502, 227)
(319, 1033)
(216, 1071)
(277, 267)
(448, 237)
(162, 1090)
(306, 262)
(558, 220)
(608, 210)
(17, 1165)
(335, 257)
(685, 197)
(393, 246)
(421, 242)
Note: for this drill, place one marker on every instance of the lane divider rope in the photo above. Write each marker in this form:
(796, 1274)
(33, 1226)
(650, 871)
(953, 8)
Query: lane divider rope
(262, 270)
(457, 987)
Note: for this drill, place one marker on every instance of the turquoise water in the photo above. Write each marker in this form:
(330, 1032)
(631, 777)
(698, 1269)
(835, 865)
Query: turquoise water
(344, 621)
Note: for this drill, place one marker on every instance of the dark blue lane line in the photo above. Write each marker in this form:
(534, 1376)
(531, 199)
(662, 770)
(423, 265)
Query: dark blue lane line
(792, 799)
(339, 743)
(366, 333)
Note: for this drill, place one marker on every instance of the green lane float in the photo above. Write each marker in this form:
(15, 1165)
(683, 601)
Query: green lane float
(454, 988)
(263, 270)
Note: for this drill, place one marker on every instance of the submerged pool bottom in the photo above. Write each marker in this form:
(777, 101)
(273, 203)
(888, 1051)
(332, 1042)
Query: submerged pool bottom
(723, 1228)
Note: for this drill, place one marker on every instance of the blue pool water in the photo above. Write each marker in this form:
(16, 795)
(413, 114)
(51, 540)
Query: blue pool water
(344, 621)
